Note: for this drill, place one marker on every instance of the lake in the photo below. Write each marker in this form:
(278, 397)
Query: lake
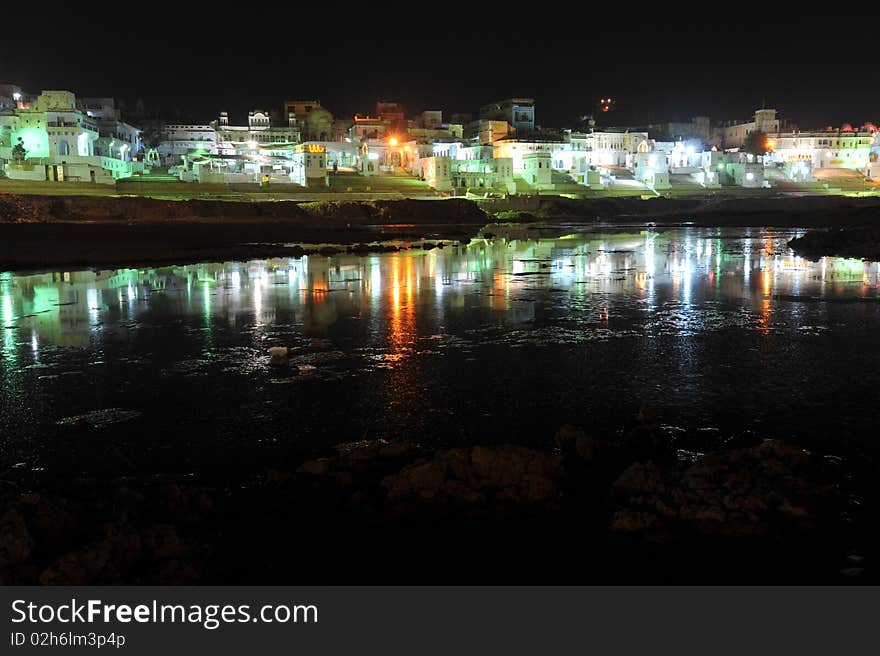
(723, 331)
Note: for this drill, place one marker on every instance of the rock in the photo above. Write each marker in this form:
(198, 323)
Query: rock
(764, 490)
(484, 476)
(161, 541)
(279, 356)
(52, 526)
(16, 543)
(363, 457)
(103, 562)
(185, 505)
(573, 441)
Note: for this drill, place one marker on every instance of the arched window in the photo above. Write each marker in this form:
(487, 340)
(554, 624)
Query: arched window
(63, 148)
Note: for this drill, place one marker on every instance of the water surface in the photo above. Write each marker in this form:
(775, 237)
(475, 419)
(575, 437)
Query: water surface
(724, 331)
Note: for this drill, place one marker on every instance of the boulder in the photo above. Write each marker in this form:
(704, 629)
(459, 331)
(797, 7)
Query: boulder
(480, 476)
(279, 356)
(102, 562)
(770, 489)
(16, 543)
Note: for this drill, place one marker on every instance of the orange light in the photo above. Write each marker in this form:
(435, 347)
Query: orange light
(392, 141)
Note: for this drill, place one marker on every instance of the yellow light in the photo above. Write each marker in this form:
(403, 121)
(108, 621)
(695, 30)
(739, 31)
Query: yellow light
(406, 148)
(393, 141)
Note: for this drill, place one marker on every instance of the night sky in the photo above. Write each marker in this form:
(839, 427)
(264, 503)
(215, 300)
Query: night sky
(455, 59)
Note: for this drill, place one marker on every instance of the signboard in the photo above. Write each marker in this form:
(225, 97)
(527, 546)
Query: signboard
(311, 148)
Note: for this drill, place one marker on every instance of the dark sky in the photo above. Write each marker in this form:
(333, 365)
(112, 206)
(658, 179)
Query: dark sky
(454, 59)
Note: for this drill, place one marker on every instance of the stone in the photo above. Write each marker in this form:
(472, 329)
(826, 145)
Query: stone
(16, 543)
(279, 356)
(478, 475)
(764, 490)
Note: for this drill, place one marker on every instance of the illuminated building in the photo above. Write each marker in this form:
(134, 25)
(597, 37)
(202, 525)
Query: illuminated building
(874, 158)
(824, 149)
(309, 165)
(742, 170)
(682, 156)
(430, 120)
(117, 138)
(237, 139)
(181, 139)
(59, 140)
(614, 147)
(536, 170)
(436, 170)
(488, 173)
(368, 127)
(518, 112)
(652, 169)
(517, 150)
(390, 112)
(733, 135)
(298, 110)
(488, 131)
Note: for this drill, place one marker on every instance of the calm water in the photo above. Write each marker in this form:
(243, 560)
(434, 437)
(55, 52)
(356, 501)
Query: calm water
(724, 331)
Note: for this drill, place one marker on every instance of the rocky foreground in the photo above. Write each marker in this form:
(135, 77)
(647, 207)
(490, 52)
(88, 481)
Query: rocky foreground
(590, 510)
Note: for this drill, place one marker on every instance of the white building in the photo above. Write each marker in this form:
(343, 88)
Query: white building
(874, 158)
(59, 143)
(537, 171)
(825, 149)
(309, 165)
(488, 173)
(181, 139)
(651, 169)
(614, 148)
(259, 131)
(436, 171)
(517, 150)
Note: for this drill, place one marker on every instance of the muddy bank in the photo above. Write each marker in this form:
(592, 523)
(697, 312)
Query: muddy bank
(853, 242)
(42, 246)
(39, 232)
(618, 510)
(133, 209)
(760, 210)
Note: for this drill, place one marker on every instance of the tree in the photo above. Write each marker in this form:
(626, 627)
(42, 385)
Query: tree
(19, 152)
(152, 134)
(756, 143)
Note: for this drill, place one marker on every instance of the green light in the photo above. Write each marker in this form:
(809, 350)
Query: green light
(35, 141)
(7, 310)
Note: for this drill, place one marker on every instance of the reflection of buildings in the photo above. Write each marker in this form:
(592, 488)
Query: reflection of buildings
(407, 295)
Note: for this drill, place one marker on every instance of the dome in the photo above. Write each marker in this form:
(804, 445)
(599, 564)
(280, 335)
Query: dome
(319, 125)
(319, 116)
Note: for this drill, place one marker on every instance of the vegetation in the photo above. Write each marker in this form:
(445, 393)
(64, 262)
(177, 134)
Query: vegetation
(19, 152)
(756, 143)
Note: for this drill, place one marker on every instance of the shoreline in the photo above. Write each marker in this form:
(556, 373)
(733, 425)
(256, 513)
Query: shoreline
(42, 232)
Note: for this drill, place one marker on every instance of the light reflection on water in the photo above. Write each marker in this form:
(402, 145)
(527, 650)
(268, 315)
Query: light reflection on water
(385, 310)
